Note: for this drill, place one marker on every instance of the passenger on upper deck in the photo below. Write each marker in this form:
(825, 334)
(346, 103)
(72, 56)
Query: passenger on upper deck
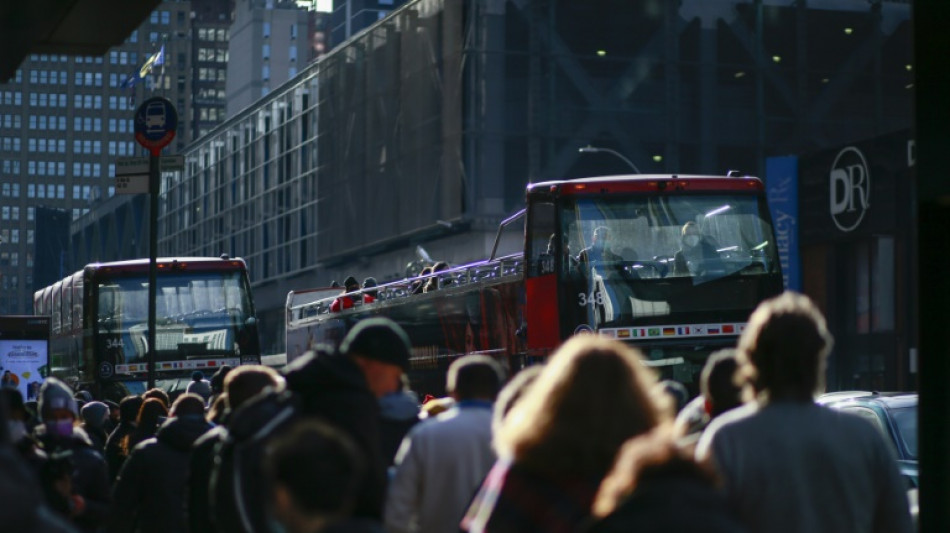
(433, 284)
(418, 286)
(369, 290)
(697, 252)
(344, 301)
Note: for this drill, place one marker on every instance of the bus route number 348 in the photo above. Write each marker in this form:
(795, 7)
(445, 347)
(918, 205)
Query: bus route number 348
(595, 297)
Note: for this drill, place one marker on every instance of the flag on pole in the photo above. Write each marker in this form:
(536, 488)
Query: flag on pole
(158, 58)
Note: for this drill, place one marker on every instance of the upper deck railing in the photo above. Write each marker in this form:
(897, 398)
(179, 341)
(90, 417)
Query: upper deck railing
(310, 304)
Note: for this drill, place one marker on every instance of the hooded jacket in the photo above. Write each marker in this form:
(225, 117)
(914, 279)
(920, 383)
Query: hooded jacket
(332, 387)
(90, 477)
(114, 454)
(149, 492)
(23, 509)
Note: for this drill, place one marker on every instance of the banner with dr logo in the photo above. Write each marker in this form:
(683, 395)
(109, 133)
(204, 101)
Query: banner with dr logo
(855, 190)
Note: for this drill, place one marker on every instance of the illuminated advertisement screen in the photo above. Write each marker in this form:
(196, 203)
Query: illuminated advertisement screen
(24, 353)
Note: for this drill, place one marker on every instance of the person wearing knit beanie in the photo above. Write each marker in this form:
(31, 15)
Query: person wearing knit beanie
(56, 396)
(94, 416)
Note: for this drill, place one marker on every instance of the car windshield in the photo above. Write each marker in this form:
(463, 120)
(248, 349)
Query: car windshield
(905, 418)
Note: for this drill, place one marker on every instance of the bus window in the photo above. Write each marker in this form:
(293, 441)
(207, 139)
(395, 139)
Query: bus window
(67, 303)
(77, 317)
(541, 239)
(57, 307)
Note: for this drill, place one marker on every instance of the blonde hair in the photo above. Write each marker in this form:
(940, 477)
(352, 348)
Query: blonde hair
(594, 394)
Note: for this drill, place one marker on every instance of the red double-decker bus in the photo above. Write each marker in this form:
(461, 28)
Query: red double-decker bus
(99, 323)
(676, 297)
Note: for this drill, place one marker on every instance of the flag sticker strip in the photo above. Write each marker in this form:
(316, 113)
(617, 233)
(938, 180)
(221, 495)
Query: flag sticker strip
(675, 331)
(177, 365)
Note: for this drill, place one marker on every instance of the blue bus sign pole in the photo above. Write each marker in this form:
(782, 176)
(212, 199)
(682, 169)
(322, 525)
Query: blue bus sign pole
(156, 122)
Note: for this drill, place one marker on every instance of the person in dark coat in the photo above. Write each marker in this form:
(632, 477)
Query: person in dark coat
(94, 416)
(113, 420)
(240, 385)
(83, 495)
(16, 426)
(398, 411)
(148, 495)
(313, 474)
(146, 423)
(697, 254)
(217, 382)
(23, 508)
(344, 389)
(115, 455)
(655, 486)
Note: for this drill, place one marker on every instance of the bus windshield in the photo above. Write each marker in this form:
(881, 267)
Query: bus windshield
(642, 259)
(198, 314)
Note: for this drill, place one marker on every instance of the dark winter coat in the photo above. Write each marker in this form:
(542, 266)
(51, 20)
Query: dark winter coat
(398, 413)
(333, 387)
(115, 456)
(97, 436)
(197, 502)
(674, 496)
(22, 506)
(149, 492)
(90, 476)
(237, 490)
(514, 498)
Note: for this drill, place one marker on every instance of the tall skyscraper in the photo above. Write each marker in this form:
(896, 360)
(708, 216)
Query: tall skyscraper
(211, 26)
(63, 122)
(272, 38)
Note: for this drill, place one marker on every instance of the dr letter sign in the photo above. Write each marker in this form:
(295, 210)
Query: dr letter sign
(850, 191)
(156, 121)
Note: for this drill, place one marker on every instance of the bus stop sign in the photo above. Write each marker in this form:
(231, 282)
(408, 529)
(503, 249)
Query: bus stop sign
(156, 121)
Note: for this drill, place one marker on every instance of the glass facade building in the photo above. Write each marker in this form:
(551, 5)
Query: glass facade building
(423, 130)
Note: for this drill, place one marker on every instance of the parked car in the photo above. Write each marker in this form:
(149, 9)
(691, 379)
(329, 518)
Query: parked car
(894, 413)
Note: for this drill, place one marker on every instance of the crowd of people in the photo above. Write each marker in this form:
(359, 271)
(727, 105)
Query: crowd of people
(590, 441)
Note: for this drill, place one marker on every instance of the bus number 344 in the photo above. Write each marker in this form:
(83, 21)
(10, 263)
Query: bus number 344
(594, 298)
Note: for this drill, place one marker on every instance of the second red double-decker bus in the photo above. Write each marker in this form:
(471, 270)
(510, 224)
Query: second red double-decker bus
(99, 323)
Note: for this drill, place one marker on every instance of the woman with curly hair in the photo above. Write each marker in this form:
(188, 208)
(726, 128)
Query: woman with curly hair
(560, 439)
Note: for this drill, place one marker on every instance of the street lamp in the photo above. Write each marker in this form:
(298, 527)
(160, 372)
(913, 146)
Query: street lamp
(595, 149)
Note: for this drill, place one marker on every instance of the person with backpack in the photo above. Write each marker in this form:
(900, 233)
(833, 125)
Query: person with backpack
(340, 387)
(239, 386)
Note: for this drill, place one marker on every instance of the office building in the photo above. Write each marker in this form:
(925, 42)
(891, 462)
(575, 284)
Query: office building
(423, 129)
(63, 122)
(353, 16)
(272, 39)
